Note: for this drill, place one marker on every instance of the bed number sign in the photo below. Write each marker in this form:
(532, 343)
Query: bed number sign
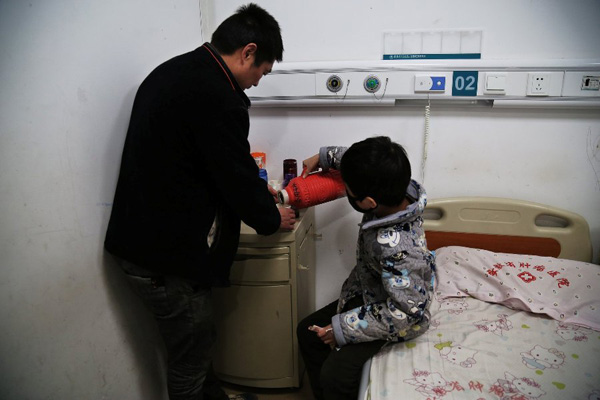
(464, 83)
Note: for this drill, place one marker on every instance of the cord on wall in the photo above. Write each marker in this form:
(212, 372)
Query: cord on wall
(345, 93)
(201, 27)
(384, 90)
(425, 139)
(206, 19)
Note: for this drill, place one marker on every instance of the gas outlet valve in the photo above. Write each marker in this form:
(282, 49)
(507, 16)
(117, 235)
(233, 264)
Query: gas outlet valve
(334, 83)
(372, 84)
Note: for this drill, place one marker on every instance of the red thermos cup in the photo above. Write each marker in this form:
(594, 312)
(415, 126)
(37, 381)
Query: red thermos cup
(316, 188)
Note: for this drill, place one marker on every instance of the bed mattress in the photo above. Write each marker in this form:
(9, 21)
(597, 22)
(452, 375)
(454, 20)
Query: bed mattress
(478, 350)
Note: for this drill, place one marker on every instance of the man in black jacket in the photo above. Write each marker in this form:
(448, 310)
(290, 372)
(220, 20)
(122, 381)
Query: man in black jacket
(187, 179)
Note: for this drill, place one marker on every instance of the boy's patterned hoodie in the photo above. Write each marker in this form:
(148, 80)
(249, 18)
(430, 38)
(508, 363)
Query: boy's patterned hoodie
(393, 273)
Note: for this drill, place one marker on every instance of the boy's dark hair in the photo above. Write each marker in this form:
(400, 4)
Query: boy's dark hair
(378, 168)
(250, 24)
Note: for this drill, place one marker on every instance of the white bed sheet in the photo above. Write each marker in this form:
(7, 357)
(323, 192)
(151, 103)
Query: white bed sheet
(478, 350)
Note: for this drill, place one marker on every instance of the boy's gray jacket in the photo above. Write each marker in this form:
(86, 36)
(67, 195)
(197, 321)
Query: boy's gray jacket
(393, 273)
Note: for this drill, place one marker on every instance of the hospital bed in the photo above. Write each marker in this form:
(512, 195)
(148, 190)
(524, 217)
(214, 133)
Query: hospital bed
(515, 313)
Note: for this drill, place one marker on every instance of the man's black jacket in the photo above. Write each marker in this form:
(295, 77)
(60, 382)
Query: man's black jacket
(186, 159)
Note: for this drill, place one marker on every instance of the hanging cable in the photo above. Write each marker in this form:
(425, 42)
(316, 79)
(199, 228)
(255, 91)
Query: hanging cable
(201, 27)
(425, 139)
(384, 89)
(345, 93)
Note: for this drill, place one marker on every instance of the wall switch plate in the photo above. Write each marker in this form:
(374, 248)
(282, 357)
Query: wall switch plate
(495, 83)
(538, 84)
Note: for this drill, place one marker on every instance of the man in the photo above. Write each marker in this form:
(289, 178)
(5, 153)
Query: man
(187, 179)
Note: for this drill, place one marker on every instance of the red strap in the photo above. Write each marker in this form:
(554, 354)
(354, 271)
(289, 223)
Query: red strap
(220, 65)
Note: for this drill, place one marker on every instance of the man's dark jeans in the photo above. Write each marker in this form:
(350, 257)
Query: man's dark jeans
(184, 314)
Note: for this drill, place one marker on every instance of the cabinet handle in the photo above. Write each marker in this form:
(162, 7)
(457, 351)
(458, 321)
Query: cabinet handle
(303, 267)
(317, 236)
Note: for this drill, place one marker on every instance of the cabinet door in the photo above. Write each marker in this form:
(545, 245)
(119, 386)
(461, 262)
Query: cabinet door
(254, 331)
(305, 276)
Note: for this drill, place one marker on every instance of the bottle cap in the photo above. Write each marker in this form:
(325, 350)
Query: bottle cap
(284, 198)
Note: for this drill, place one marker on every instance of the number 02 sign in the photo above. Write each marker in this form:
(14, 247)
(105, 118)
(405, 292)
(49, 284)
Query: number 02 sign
(464, 83)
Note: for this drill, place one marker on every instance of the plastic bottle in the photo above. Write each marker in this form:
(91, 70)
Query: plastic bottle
(263, 174)
(316, 188)
(260, 158)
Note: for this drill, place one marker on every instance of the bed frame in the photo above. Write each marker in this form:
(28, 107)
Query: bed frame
(507, 226)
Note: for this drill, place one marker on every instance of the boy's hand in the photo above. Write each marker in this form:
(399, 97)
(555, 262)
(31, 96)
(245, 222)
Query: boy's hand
(325, 334)
(309, 165)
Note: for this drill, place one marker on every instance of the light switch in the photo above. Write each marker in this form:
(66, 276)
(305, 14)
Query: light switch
(495, 83)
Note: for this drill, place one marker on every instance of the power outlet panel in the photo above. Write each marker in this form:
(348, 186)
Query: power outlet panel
(590, 82)
(538, 84)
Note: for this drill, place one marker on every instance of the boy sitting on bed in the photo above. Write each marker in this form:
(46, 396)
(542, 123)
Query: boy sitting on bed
(386, 297)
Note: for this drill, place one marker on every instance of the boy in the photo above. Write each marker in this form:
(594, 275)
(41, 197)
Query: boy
(386, 296)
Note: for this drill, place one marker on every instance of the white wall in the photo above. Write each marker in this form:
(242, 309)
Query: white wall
(539, 156)
(343, 30)
(68, 74)
(550, 157)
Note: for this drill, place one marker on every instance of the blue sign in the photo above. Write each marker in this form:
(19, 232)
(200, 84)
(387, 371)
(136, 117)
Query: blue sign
(464, 83)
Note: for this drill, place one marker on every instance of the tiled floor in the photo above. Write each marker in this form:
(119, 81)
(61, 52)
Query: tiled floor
(303, 393)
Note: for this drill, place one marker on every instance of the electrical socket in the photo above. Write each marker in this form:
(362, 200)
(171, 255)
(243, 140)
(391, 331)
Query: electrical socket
(590, 83)
(538, 84)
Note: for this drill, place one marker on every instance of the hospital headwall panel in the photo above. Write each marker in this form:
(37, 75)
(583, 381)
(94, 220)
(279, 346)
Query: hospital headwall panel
(500, 83)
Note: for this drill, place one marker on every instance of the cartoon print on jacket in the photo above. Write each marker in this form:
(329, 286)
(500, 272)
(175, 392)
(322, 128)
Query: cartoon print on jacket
(397, 279)
(541, 358)
(517, 388)
(388, 236)
(416, 309)
(395, 312)
(354, 322)
(496, 327)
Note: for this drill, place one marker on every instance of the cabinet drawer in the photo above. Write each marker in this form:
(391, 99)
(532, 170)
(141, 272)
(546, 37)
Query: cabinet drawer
(261, 265)
(255, 332)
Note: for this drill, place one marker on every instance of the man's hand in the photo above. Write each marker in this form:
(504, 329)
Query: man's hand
(288, 218)
(273, 193)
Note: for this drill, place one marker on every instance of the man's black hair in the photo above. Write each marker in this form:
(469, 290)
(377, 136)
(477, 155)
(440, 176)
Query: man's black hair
(250, 24)
(378, 168)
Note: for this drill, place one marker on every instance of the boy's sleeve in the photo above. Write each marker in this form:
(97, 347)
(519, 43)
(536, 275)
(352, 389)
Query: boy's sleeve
(405, 280)
(331, 157)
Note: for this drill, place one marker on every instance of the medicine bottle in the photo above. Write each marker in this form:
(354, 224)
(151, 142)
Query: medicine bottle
(290, 171)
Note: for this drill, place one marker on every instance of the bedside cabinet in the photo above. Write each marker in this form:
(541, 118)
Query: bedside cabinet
(272, 289)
